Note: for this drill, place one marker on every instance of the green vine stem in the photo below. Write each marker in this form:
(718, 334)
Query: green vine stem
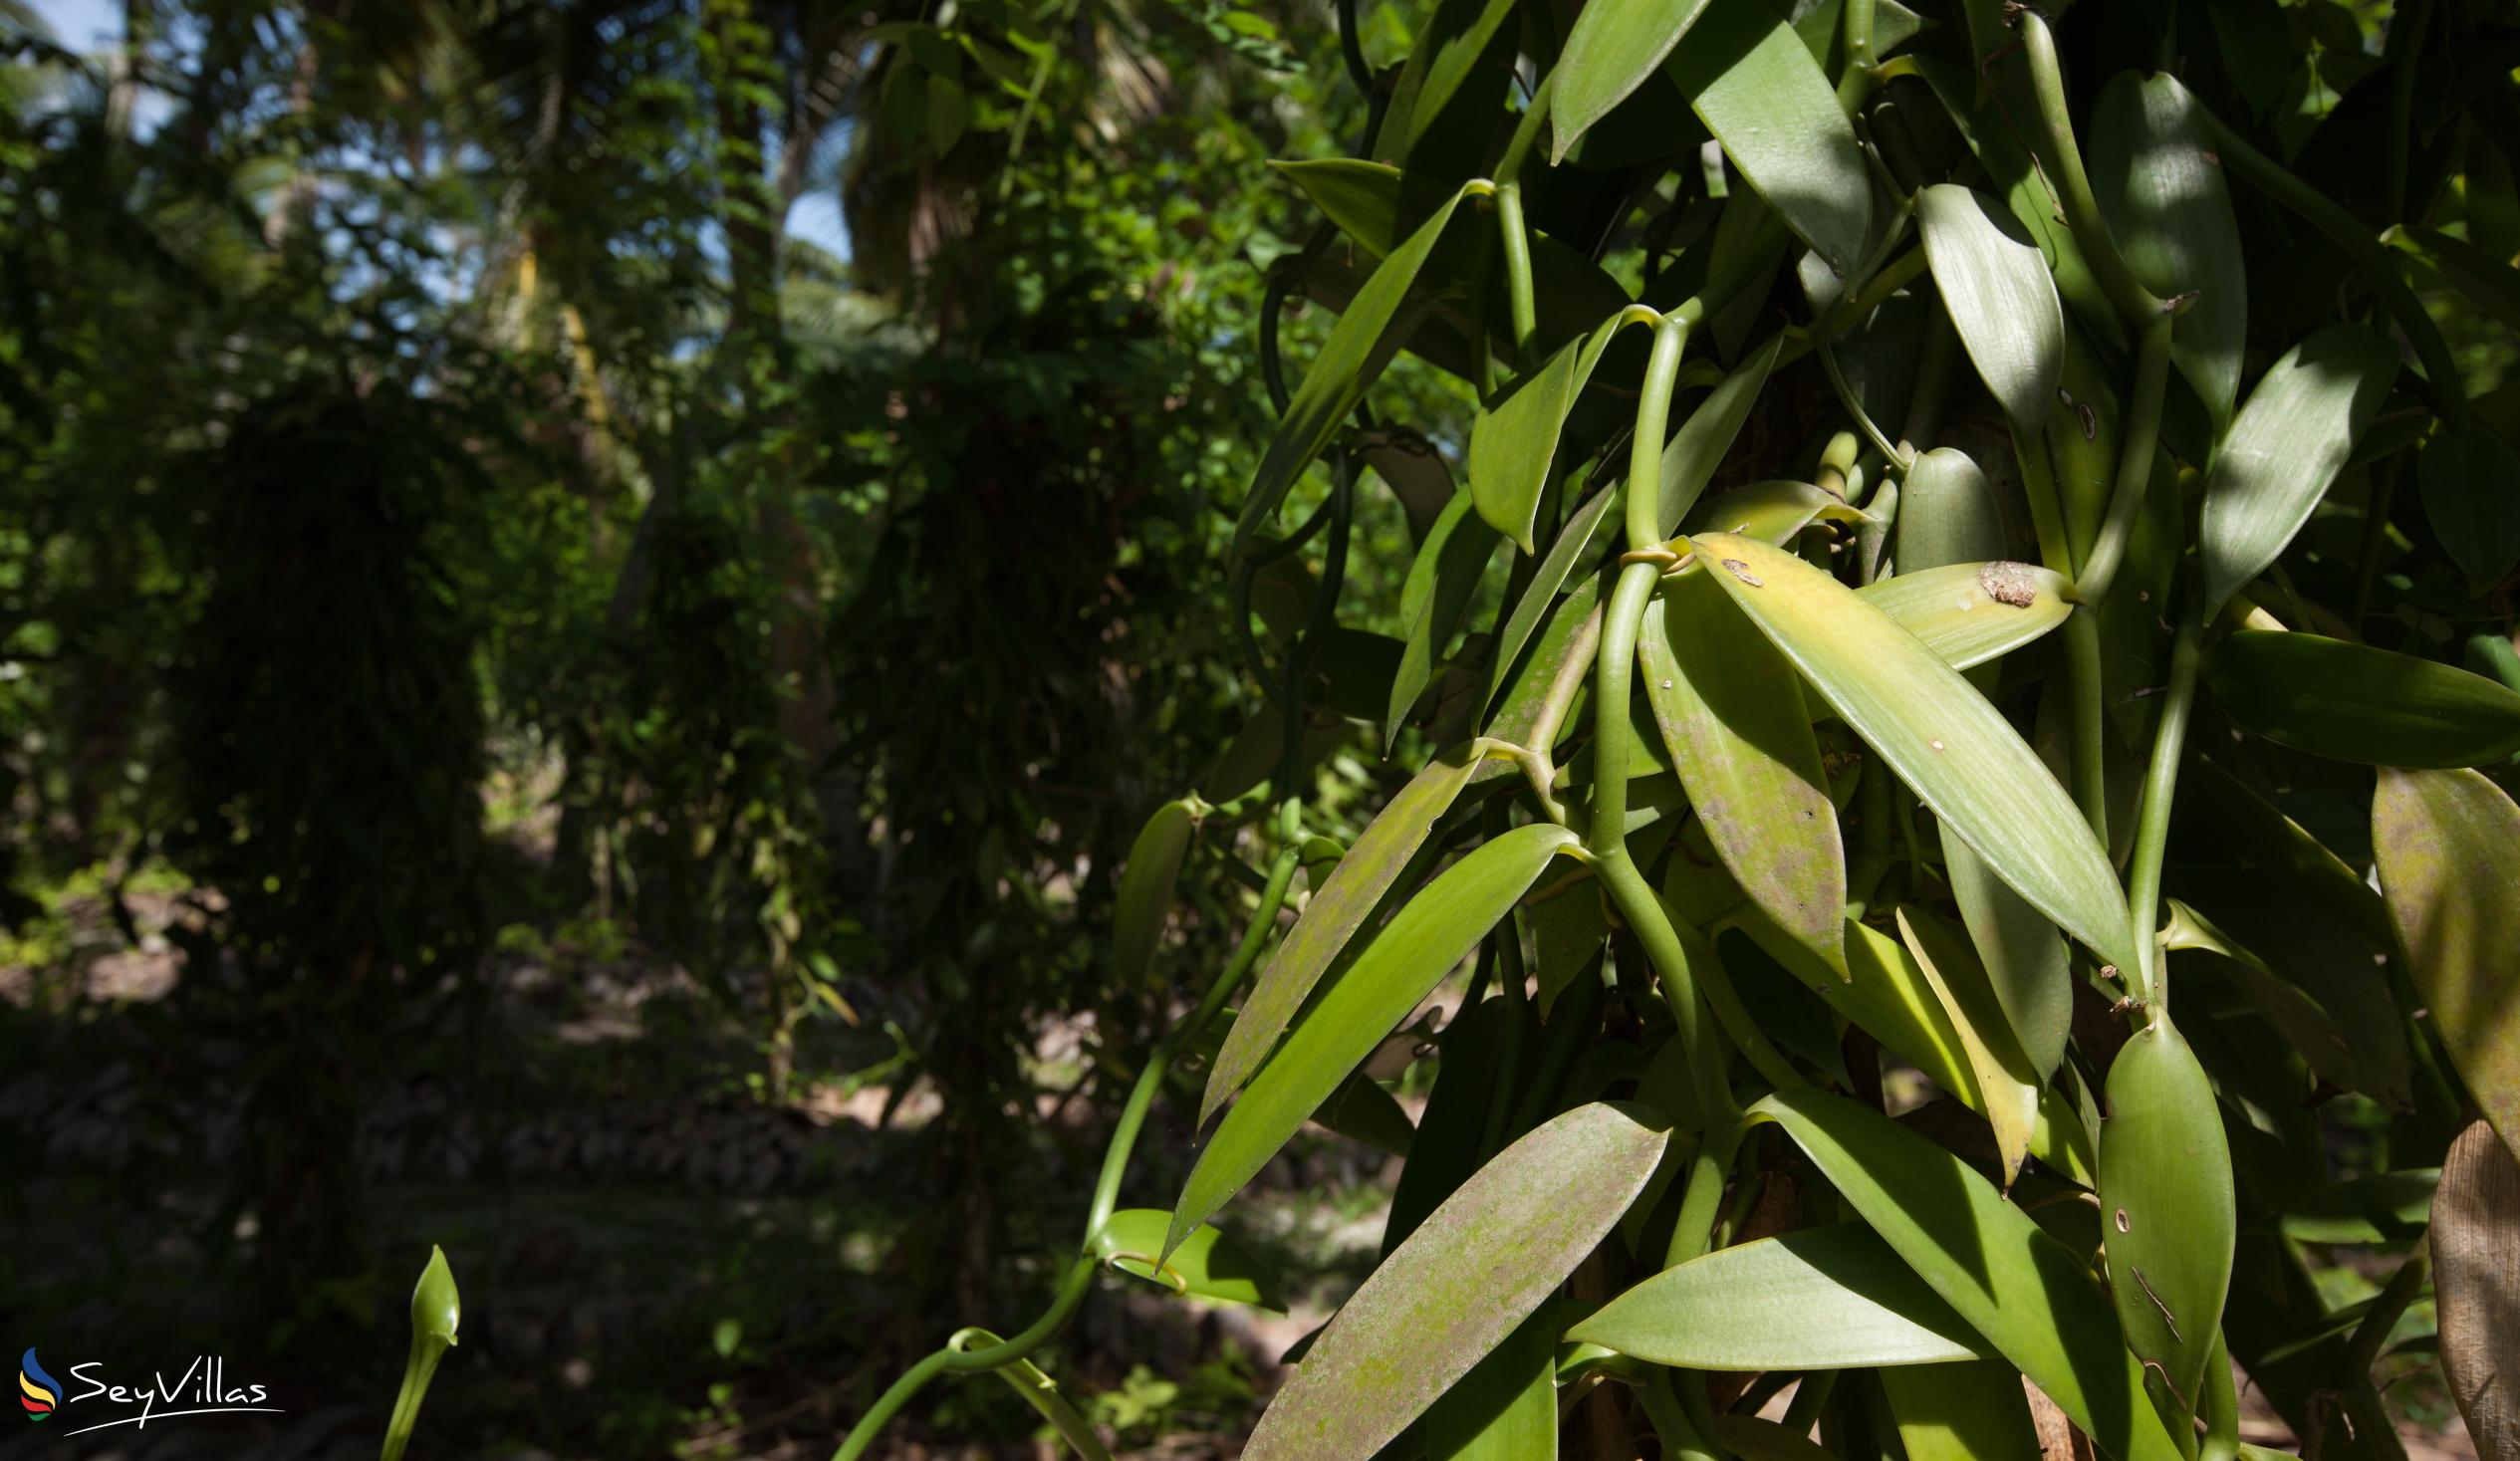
(2063, 165)
(2369, 256)
(1517, 242)
(2135, 463)
(2152, 819)
(1042, 1393)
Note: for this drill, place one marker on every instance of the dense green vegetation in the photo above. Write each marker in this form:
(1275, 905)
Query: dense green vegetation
(752, 794)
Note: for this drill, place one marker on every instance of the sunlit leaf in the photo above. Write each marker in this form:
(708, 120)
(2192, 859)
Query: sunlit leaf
(1969, 614)
(1514, 441)
(1575, 541)
(2002, 302)
(1694, 452)
(1956, 750)
(2024, 1292)
(2167, 1206)
(1435, 931)
(1730, 708)
(2285, 447)
(1614, 47)
(1207, 1263)
(1460, 1284)
(1333, 916)
(2008, 1083)
(1831, 1298)
(2160, 187)
(1754, 84)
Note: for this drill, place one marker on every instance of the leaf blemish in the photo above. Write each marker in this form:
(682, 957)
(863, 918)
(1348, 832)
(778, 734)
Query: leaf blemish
(1937, 745)
(2167, 1318)
(2124, 1225)
(2009, 582)
(1742, 572)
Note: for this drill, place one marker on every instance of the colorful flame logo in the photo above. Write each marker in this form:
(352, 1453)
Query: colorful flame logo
(37, 1391)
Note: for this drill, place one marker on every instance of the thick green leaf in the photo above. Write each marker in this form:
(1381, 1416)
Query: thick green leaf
(1973, 612)
(1563, 647)
(1460, 1284)
(1335, 913)
(1948, 514)
(1730, 708)
(1514, 441)
(2024, 959)
(2167, 1215)
(1207, 1264)
(2379, 1207)
(1506, 1408)
(1411, 954)
(1995, 285)
(2357, 703)
(2448, 848)
(2475, 1231)
(2471, 496)
(1567, 930)
(1834, 1297)
(2286, 447)
(1440, 123)
(1975, 1411)
(2160, 187)
(2023, 1291)
(1437, 589)
(1950, 746)
(1448, 1146)
(1359, 345)
(1772, 512)
(1754, 84)
(1146, 889)
(2008, 1083)
(1614, 45)
(1694, 452)
(1575, 540)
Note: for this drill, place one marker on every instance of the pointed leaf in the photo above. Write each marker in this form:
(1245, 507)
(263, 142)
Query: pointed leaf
(2160, 187)
(1411, 954)
(1335, 913)
(2379, 1207)
(1441, 580)
(2448, 848)
(437, 1310)
(1772, 512)
(1575, 541)
(2008, 1083)
(1995, 283)
(1833, 1298)
(1359, 345)
(1754, 84)
(1514, 440)
(1730, 708)
(2025, 961)
(2475, 1230)
(1950, 746)
(2490, 284)
(2471, 496)
(1207, 1264)
(1145, 890)
(2357, 703)
(1460, 1284)
(2026, 1292)
(1973, 612)
(2167, 1206)
(1614, 45)
(1694, 452)
(2286, 447)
